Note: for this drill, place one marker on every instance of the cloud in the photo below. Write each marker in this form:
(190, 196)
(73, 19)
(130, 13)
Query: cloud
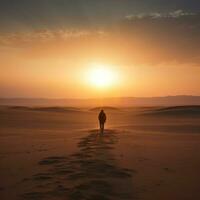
(154, 15)
(152, 39)
(16, 15)
(47, 35)
(180, 13)
(163, 37)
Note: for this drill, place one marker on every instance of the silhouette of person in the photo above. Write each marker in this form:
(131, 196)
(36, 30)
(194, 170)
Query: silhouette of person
(102, 120)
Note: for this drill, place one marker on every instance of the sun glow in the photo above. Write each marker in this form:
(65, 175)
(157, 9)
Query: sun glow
(101, 76)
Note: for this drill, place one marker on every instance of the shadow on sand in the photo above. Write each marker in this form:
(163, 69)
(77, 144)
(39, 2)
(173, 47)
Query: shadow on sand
(89, 174)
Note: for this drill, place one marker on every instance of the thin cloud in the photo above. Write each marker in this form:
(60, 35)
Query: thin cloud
(150, 40)
(43, 36)
(164, 37)
(154, 15)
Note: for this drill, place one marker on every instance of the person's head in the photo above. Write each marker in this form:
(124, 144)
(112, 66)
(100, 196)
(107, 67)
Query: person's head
(102, 110)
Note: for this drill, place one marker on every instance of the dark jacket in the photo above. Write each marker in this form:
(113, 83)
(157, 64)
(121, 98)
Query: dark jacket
(102, 117)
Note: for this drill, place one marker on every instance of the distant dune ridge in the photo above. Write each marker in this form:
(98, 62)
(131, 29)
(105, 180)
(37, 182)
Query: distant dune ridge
(46, 109)
(107, 108)
(175, 110)
(190, 111)
(124, 101)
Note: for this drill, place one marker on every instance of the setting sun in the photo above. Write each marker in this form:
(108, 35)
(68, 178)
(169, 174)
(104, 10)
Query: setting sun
(101, 76)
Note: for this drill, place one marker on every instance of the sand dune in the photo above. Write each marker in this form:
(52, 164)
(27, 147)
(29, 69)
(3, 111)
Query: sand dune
(106, 108)
(46, 109)
(58, 153)
(175, 110)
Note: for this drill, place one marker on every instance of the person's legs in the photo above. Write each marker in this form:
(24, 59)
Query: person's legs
(102, 127)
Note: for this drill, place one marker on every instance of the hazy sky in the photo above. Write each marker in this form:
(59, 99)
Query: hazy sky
(48, 47)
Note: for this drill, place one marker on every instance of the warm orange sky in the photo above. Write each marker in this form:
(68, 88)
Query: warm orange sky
(149, 55)
(47, 70)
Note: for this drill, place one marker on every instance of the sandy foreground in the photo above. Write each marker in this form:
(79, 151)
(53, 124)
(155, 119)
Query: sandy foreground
(58, 153)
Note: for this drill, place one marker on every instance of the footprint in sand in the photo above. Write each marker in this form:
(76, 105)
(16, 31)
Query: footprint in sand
(90, 173)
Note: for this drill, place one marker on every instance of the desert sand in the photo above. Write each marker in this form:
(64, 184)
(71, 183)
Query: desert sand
(147, 153)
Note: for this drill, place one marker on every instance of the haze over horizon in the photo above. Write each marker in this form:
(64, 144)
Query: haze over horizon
(191, 101)
(99, 49)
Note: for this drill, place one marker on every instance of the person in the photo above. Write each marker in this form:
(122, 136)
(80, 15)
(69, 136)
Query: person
(102, 120)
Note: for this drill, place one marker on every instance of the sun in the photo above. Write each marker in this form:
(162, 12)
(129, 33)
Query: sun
(101, 75)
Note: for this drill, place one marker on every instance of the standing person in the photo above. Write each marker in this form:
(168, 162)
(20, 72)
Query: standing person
(102, 120)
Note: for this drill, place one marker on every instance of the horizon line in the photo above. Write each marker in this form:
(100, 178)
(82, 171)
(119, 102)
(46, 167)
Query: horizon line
(90, 98)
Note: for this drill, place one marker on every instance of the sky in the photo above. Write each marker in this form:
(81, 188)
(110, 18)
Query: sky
(50, 48)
